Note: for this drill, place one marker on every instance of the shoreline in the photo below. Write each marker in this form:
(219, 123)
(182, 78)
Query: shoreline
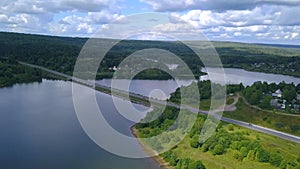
(159, 160)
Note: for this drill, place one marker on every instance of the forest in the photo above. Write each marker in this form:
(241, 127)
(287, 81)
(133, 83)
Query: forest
(60, 54)
(11, 73)
(231, 144)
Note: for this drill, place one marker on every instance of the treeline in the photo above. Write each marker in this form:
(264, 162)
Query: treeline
(60, 54)
(269, 60)
(204, 89)
(11, 73)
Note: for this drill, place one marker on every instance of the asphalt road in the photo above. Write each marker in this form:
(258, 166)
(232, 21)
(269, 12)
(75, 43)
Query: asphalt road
(269, 131)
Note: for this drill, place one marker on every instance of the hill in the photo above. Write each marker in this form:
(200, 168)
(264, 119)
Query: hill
(60, 54)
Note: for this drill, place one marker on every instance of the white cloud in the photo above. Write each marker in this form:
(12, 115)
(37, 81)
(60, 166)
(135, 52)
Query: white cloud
(82, 25)
(81, 16)
(215, 5)
(217, 19)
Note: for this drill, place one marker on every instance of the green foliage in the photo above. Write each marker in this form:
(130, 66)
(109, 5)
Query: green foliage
(170, 157)
(230, 127)
(194, 142)
(283, 164)
(262, 155)
(289, 93)
(11, 72)
(218, 149)
(196, 165)
(60, 54)
(275, 159)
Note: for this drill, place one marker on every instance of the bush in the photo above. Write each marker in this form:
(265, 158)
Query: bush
(275, 159)
(195, 142)
(230, 127)
(262, 155)
(283, 165)
(218, 149)
(196, 165)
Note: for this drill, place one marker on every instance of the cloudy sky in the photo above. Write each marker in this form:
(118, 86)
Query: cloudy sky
(258, 21)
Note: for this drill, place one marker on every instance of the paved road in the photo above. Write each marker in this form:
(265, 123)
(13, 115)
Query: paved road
(160, 102)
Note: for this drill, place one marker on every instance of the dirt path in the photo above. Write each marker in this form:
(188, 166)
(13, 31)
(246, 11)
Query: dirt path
(232, 106)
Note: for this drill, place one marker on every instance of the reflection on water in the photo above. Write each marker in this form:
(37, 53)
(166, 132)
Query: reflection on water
(39, 129)
(237, 76)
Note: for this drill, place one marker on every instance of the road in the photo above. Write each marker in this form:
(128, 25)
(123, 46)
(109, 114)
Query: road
(269, 131)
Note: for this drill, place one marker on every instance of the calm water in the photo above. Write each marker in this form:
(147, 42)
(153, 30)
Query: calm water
(39, 129)
(237, 76)
(162, 89)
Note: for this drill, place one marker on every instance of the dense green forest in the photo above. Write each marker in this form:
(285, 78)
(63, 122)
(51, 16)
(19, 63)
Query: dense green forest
(229, 143)
(60, 54)
(11, 73)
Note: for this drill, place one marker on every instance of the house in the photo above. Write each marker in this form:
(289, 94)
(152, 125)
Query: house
(274, 102)
(278, 93)
(298, 96)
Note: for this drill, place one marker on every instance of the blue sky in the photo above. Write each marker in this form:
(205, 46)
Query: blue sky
(255, 21)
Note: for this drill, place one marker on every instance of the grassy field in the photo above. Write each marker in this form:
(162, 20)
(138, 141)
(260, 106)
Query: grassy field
(290, 151)
(279, 122)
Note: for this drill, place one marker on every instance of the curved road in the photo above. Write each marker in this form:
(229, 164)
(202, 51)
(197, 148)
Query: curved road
(269, 131)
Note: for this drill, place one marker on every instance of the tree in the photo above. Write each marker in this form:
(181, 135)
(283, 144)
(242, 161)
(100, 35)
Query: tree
(251, 155)
(230, 127)
(255, 97)
(275, 159)
(238, 155)
(289, 94)
(183, 163)
(218, 149)
(265, 104)
(194, 142)
(262, 155)
(196, 165)
(283, 164)
(298, 88)
(244, 151)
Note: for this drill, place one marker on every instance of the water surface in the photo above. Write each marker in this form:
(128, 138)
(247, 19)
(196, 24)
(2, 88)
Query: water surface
(237, 76)
(39, 129)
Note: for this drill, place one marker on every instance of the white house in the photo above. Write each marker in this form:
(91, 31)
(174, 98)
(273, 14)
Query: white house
(278, 93)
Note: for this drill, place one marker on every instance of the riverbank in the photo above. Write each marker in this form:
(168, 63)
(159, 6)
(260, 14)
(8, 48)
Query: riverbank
(159, 160)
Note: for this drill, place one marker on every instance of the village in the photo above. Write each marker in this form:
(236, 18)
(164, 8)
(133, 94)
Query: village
(278, 101)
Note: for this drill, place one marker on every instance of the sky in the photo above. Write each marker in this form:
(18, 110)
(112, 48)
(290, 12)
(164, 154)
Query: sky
(253, 21)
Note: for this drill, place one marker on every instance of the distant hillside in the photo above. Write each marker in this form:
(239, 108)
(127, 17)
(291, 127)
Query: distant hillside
(60, 54)
(280, 45)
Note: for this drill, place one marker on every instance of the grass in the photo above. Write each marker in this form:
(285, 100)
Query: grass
(275, 121)
(205, 104)
(290, 151)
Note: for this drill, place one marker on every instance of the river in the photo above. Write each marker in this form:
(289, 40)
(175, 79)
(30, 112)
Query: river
(237, 76)
(39, 129)
(161, 89)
